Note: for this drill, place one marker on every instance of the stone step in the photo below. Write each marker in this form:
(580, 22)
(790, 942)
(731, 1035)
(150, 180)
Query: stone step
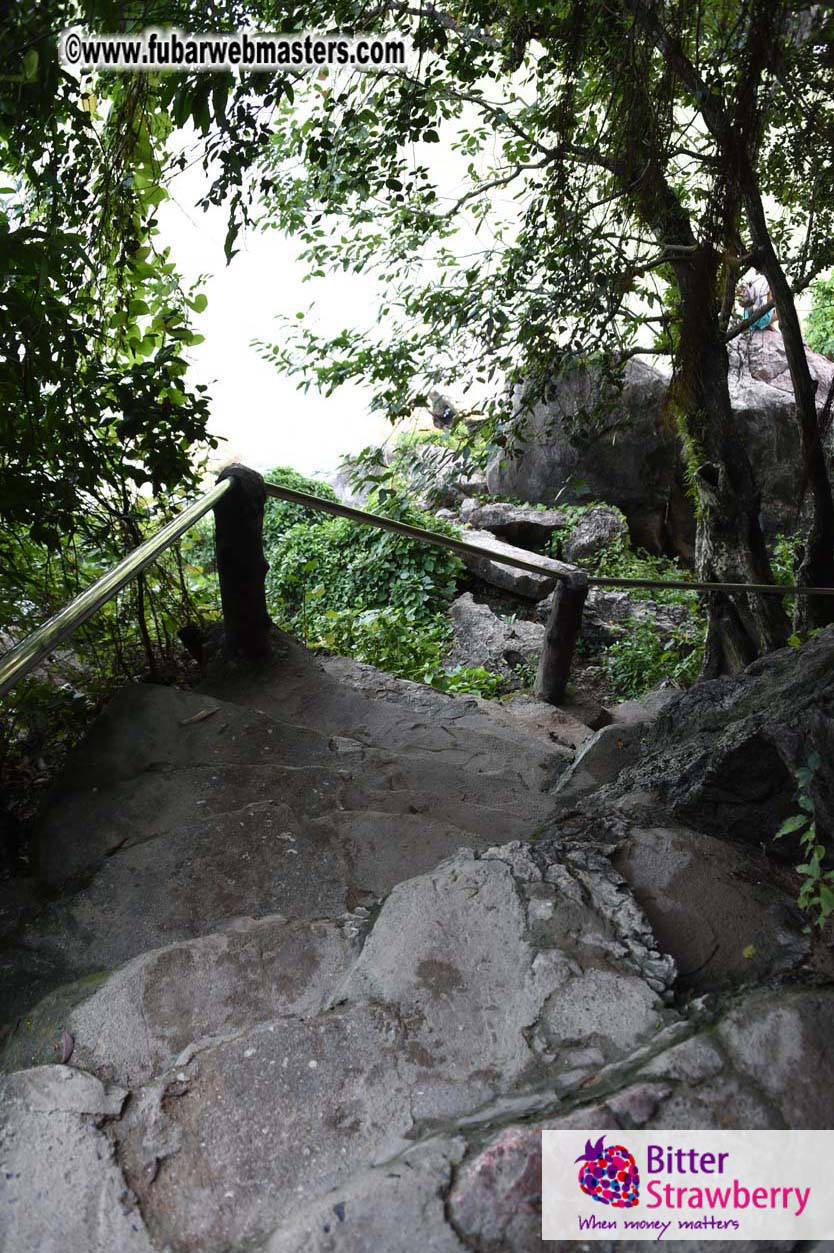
(271, 1062)
(161, 773)
(203, 874)
(364, 704)
(131, 1026)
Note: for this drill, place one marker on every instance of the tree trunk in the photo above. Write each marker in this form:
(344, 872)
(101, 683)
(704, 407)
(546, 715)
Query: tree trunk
(817, 569)
(729, 547)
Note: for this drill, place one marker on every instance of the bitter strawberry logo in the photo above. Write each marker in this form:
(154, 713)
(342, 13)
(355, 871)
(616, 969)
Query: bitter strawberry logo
(609, 1175)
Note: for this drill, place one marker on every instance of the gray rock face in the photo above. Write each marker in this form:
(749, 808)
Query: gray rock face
(762, 396)
(517, 524)
(317, 799)
(721, 755)
(484, 639)
(600, 760)
(390, 1207)
(724, 1076)
(131, 1026)
(595, 530)
(713, 906)
(486, 977)
(522, 583)
(61, 1187)
(629, 456)
(363, 956)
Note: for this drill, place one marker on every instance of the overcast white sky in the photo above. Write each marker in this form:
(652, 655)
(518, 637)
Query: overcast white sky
(260, 415)
(261, 418)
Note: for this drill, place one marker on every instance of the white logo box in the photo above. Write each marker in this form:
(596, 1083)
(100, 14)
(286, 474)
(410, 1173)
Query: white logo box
(695, 1185)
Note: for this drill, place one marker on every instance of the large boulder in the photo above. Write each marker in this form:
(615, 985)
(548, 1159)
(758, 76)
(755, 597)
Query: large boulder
(484, 639)
(596, 530)
(762, 396)
(627, 453)
(517, 524)
(523, 583)
(723, 755)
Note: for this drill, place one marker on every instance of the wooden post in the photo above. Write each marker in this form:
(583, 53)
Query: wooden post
(560, 637)
(241, 564)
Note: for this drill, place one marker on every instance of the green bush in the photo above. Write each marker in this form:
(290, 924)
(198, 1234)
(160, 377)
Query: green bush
(819, 330)
(320, 563)
(387, 639)
(358, 591)
(645, 655)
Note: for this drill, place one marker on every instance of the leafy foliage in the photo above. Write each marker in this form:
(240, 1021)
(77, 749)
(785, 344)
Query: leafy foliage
(816, 895)
(356, 568)
(355, 590)
(94, 322)
(364, 593)
(645, 655)
(136, 633)
(820, 325)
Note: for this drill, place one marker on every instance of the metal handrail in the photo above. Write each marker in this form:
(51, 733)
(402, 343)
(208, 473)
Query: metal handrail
(546, 565)
(31, 651)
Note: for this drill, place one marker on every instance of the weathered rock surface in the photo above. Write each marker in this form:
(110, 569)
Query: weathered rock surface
(517, 524)
(722, 755)
(629, 456)
(600, 760)
(484, 639)
(206, 810)
(392, 1206)
(61, 1187)
(736, 1073)
(596, 530)
(131, 1026)
(713, 906)
(488, 976)
(527, 584)
(762, 396)
(347, 953)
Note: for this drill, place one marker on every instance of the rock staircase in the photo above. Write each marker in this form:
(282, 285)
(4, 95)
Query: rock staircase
(315, 954)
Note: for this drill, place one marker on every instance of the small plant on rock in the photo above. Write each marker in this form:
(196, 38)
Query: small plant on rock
(644, 655)
(816, 895)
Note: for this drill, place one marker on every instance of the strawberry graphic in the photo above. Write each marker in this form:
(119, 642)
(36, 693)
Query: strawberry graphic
(609, 1175)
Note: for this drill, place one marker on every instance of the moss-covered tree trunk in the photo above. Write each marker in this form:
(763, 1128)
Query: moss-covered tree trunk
(817, 569)
(730, 547)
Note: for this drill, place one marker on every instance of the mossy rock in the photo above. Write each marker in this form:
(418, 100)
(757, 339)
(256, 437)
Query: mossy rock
(35, 1040)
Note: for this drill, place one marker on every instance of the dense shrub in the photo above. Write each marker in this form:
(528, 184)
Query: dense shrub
(644, 655)
(363, 593)
(820, 326)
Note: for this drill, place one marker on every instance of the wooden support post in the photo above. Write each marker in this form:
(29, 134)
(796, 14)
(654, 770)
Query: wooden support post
(241, 564)
(563, 626)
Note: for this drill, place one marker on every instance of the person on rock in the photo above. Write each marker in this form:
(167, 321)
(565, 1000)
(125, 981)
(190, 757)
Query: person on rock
(752, 293)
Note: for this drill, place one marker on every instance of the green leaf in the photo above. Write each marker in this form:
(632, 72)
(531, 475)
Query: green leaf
(826, 899)
(790, 825)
